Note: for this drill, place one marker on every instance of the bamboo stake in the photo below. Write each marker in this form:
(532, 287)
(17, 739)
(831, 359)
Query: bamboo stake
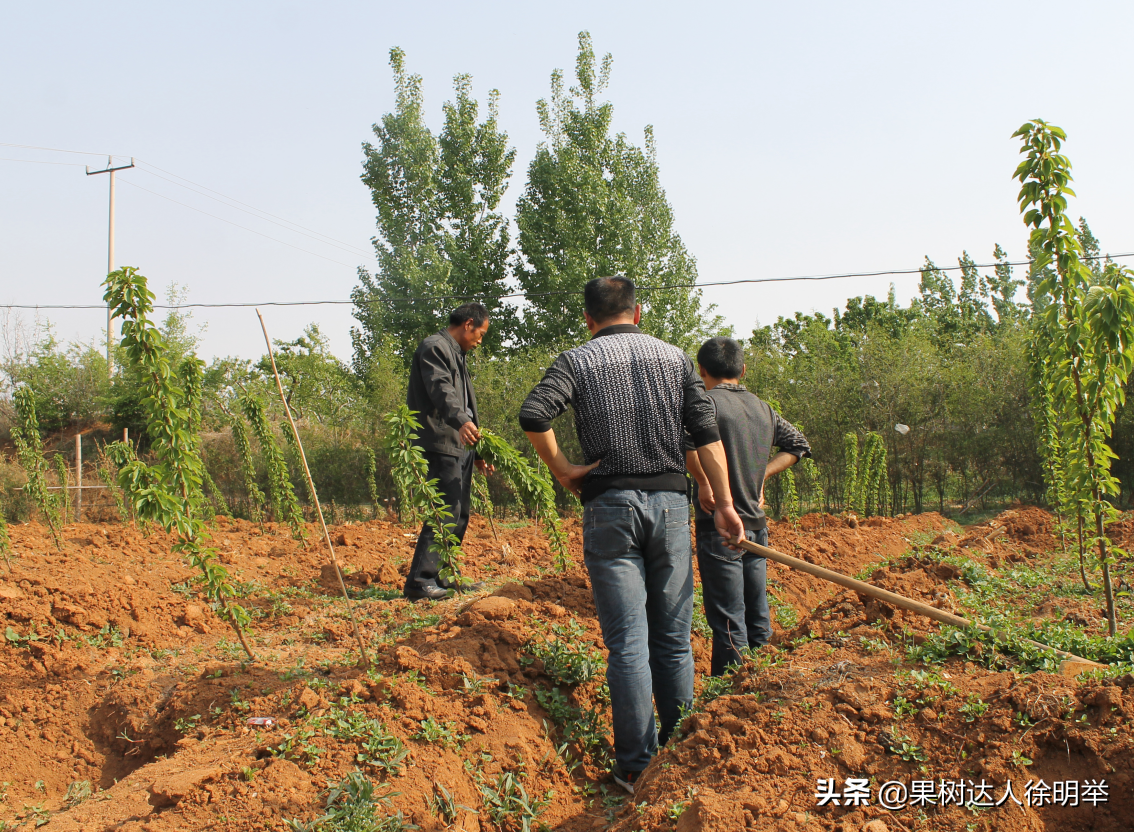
(890, 597)
(365, 663)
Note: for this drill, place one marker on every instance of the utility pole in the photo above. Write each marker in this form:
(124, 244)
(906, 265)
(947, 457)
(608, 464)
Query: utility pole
(110, 253)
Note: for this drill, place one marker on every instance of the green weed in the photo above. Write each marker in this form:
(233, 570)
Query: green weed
(568, 657)
(508, 804)
(352, 806)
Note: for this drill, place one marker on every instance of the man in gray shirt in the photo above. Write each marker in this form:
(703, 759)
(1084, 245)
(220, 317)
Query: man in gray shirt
(633, 398)
(734, 582)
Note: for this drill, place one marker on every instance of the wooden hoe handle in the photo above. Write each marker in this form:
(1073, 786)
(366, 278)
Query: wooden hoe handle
(895, 599)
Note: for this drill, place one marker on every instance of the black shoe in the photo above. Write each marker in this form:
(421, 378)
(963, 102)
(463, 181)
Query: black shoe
(626, 779)
(431, 593)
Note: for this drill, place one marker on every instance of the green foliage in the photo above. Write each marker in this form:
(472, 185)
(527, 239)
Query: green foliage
(532, 485)
(958, 379)
(168, 491)
(508, 804)
(107, 471)
(29, 449)
(5, 542)
(191, 375)
(285, 507)
(439, 230)
(410, 471)
(372, 479)
(445, 806)
(441, 733)
(352, 806)
(593, 207)
(973, 709)
(582, 727)
(1084, 343)
(64, 478)
(873, 488)
(247, 467)
(377, 746)
(568, 657)
(852, 481)
(68, 382)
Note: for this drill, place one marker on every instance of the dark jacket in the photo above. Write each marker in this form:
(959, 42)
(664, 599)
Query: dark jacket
(441, 391)
(632, 395)
(749, 428)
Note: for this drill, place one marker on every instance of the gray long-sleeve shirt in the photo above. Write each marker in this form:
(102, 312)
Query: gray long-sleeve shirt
(634, 396)
(749, 428)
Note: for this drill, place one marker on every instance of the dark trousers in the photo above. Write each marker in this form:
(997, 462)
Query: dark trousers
(734, 584)
(454, 481)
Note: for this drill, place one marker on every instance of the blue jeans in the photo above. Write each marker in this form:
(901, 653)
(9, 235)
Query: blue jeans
(636, 546)
(734, 584)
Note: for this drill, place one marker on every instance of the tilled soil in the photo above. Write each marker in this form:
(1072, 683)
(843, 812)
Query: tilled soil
(116, 675)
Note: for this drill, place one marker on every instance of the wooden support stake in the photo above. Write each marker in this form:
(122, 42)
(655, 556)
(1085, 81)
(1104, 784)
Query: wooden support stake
(78, 478)
(365, 662)
(896, 600)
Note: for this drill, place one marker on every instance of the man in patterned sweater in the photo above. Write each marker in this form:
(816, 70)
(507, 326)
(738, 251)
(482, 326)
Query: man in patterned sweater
(634, 397)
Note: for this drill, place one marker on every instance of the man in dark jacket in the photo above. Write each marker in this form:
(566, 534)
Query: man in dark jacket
(441, 392)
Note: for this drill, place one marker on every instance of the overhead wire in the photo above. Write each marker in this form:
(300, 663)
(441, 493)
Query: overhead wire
(54, 149)
(41, 162)
(238, 225)
(515, 295)
(254, 210)
(259, 213)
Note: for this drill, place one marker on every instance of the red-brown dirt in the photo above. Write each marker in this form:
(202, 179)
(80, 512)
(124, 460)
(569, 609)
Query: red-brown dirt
(115, 672)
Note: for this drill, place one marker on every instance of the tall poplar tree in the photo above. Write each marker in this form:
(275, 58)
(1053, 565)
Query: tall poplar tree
(594, 207)
(440, 241)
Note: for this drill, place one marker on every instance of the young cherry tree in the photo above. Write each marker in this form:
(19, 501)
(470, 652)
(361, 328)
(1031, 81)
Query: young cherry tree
(1087, 321)
(168, 490)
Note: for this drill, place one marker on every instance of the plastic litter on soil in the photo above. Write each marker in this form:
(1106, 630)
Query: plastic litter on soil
(115, 674)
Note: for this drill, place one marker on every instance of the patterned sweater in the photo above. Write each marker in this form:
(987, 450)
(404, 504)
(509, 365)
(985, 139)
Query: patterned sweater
(633, 397)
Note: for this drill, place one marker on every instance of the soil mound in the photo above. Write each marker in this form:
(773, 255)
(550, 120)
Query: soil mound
(125, 703)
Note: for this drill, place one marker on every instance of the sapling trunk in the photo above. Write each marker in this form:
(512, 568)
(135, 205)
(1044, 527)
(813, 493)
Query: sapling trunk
(1083, 554)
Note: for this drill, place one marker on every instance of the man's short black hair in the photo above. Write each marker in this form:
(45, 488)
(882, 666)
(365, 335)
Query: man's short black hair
(721, 357)
(475, 312)
(605, 298)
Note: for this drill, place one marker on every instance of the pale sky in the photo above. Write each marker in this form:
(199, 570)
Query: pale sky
(793, 140)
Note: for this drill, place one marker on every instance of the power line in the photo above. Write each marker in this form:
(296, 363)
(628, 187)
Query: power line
(53, 149)
(246, 205)
(514, 295)
(41, 162)
(275, 218)
(238, 225)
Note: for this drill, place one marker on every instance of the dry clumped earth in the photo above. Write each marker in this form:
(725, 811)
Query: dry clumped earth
(124, 702)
